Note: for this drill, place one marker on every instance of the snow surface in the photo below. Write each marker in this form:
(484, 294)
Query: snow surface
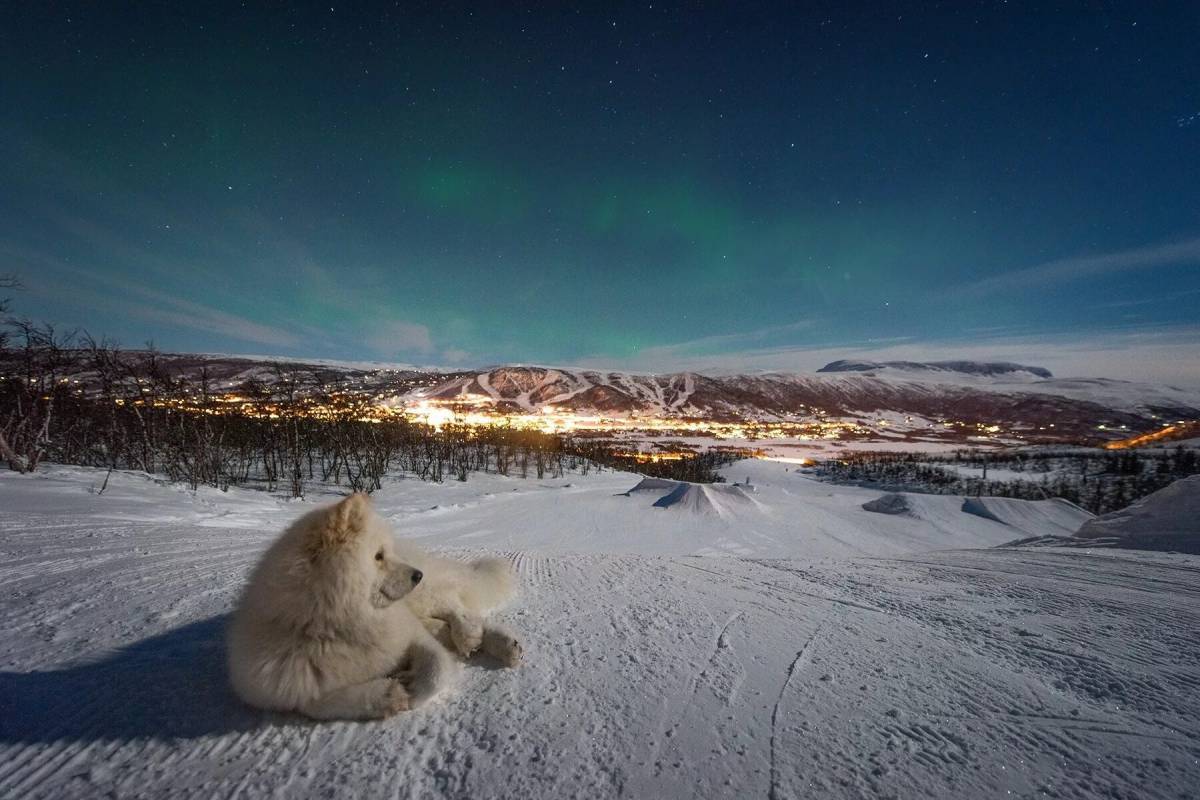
(1168, 519)
(793, 645)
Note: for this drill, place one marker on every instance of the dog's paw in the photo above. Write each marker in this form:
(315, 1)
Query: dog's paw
(504, 647)
(467, 635)
(512, 653)
(394, 700)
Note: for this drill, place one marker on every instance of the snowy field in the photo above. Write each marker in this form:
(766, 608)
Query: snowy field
(771, 642)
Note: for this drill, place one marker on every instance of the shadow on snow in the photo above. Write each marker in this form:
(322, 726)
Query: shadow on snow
(170, 686)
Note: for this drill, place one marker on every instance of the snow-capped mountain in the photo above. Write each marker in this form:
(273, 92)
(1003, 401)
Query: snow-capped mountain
(984, 368)
(1014, 397)
(1002, 394)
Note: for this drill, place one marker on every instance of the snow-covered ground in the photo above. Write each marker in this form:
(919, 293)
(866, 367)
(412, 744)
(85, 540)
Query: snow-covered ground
(778, 641)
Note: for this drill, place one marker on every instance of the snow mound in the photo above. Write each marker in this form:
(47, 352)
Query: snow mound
(717, 499)
(1035, 518)
(704, 499)
(653, 485)
(1169, 519)
(923, 507)
(1053, 517)
(894, 503)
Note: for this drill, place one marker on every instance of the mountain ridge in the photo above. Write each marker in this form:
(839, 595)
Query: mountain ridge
(975, 395)
(987, 368)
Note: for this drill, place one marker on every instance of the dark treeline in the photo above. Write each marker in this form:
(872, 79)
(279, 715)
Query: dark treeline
(697, 468)
(73, 400)
(1098, 480)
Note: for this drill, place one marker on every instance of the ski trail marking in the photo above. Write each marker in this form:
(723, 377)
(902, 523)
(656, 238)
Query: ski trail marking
(801, 656)
(668, 732)
(782, 588)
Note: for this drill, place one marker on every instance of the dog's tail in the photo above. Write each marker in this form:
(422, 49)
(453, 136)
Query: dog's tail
(494, 582)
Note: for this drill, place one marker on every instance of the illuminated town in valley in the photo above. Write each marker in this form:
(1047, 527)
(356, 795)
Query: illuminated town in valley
(646, 436)
(647, 417)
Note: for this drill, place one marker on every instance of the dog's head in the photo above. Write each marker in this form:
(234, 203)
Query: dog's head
(354, 550)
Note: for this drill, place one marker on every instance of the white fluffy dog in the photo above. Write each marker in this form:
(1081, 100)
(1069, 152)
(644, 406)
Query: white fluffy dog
(342, 621)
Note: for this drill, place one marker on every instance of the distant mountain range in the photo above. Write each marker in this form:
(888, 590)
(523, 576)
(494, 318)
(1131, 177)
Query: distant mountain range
(1012, 396)
(988, 368)
(1015, 397)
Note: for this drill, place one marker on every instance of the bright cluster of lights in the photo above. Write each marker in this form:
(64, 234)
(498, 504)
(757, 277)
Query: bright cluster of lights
(334, 407)
(478, 412)
(481, 411)
(1167, 432)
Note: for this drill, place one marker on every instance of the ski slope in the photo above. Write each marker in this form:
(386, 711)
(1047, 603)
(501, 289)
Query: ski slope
(786, 644)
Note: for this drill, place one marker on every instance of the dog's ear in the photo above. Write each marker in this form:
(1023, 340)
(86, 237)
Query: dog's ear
(342, 523)
(350, 515)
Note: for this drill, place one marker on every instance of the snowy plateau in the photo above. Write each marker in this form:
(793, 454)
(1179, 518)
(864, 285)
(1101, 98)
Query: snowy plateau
(768, 637)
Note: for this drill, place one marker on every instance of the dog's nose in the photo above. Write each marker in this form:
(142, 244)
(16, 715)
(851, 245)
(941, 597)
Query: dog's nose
(417, 575)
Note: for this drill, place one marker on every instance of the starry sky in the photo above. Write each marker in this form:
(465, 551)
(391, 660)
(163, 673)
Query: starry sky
(647, 186)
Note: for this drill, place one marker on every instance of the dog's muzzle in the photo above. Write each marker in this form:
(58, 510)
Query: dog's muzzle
(400, 583)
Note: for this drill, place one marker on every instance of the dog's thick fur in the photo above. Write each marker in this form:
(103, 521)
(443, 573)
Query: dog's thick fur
(342, 621)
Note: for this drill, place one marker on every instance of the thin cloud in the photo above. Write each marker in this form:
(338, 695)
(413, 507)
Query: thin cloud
(1149, 301)
(178, 312)
(399, 336)
(1076, 268)
(697, 348)
(130, 299)
(175, 312)
(455, 355)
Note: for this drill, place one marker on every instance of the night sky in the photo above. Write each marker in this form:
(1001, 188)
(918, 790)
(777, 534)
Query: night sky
(646, 186)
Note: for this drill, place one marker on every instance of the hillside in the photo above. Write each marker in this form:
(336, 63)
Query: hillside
(952, 400)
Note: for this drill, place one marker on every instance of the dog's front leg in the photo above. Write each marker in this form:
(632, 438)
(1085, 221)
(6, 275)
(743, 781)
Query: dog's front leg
(428, 669)
(373, 699)
(463, 630)
(466, 632)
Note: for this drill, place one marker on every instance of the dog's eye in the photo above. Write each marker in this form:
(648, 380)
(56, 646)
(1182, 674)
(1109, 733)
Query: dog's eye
(379, 556)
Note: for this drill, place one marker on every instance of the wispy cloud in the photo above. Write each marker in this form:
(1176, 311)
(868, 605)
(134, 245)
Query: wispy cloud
(703, 347)
(175, 313)
(1087, 266)
(455, 355)
(130, 299)
(178, 312)
(399, 336)
(1149, 301)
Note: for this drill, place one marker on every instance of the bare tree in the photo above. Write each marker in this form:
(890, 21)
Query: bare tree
(6, 282)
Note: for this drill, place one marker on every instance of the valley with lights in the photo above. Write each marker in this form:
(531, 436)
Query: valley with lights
(646, 437)
(648, 418)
